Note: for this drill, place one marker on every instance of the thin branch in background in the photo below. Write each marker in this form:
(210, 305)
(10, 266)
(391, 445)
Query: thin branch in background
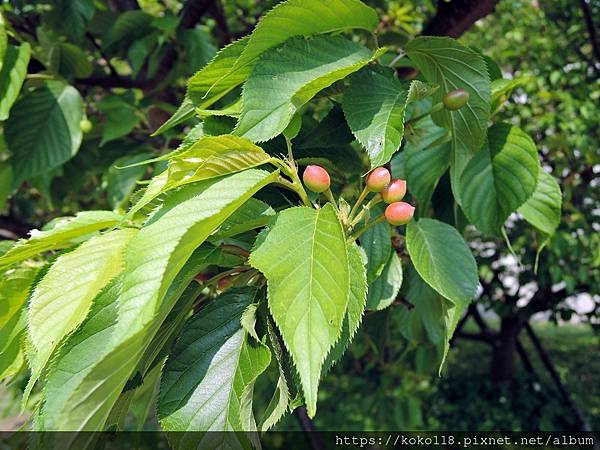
(545, 358)
(524, 357)
(97, 46)
(589, 22)
(308, 426)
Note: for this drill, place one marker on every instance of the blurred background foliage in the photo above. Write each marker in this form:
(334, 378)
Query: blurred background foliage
(123, 64)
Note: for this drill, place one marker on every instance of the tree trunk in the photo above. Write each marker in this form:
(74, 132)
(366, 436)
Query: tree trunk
(505, 351)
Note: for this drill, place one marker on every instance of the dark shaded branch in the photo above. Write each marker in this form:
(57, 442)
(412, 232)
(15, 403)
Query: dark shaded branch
(309, 429)
(11, 228)
(191, 13)
(124, 5)
(545, 358)
(455, 17)
(479, 337)
(524, 357)
(589, 22)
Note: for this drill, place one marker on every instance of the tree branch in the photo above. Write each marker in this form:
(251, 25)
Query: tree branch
(309, 429)
(455, 17)
(585, 426)
(589, 22)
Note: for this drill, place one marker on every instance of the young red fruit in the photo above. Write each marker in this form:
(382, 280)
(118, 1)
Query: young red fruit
(378, 179)
(454, 100)
(316, 179)
(399, 213)
(224, 283)
(394, 192)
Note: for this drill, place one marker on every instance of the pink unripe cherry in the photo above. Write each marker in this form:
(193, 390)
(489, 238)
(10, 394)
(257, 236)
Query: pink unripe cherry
(394, 192)
(378, 179)
(224, 283)
(316, 179)
(399, 213)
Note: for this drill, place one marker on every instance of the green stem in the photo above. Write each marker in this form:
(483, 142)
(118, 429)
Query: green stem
(355, 236)
(359, 201)
(437, 107)
(329, 196)
(375, 200)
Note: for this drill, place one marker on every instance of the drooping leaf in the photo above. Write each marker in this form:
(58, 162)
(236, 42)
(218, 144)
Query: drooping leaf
(500, 178)
(43, 129)
(213, 366)
(63, 296)
(443, 259)
(308, 280)
(62, 235)
(129, 26)
(384, 289)
(374, 106)
(376, 242)
(121, 117)
(449, 64)
(542, 210)
(12, 75)
(424, 168)
(357, 298)
(150, 287)
(289, 76)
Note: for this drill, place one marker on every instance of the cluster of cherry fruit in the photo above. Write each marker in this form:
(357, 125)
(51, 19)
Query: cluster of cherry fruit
(378, 181)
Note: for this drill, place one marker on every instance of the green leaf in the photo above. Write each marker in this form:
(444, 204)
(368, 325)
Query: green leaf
(150, 287)
(296, 18)
(424, 168)
(121, 117)
(121, 181)
(377, 244)
(278, 405)
(6, 183)
(183, 113)
(145, 396)
(308, 280)
(15, 286)
(201, 91)
(71, 61)
(62, 235)
(442, 259)
(251, 215)
(374, 106)
(330, 132)
(502, 89)
(213, 366)
(209, 157)
(43, 130)
(542, 210)
(445, 62)
(129, 26)
(288, 76)
(3, 40)
(357, 299)
(500, 178)
(384, 290)
(424, 322)
(62, 298)
(12, 75)
(71, 16)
